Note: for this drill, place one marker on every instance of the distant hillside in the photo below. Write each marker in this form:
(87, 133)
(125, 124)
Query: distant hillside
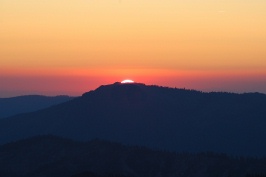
(152, 116)
(29, 103)
(57, 157)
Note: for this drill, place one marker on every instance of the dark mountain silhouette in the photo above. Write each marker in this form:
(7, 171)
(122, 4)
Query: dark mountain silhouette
(56, 157)
(157, 117)
(29, 103)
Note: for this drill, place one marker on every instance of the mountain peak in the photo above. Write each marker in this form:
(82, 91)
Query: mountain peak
(118, 87)
(122, 85)
(120, 92)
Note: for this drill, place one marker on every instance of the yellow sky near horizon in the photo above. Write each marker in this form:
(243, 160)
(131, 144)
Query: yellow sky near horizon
(174, 35)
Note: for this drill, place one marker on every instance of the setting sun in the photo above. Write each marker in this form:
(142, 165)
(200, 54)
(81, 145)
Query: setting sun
(127, 81)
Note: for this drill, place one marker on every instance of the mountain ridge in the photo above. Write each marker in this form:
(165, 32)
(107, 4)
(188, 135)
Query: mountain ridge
(158, 117)
(55, 156)
(28, 103)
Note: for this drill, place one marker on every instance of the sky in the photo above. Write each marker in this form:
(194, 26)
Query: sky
(70, 47)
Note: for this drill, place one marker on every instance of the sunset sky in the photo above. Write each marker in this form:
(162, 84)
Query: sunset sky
(53, 47)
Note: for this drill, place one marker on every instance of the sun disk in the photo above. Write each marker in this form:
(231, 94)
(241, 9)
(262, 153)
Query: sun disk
(127, 81)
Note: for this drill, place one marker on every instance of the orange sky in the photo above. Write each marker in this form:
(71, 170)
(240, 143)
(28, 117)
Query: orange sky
(69, 47)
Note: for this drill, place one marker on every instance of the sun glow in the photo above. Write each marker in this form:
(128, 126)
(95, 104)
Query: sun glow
(127, 81)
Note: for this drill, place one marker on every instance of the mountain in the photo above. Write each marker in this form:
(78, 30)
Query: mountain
(157, 117)
(56, 157)
(22, 104)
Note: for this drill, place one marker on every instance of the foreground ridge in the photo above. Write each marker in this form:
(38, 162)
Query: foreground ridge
(54, 156)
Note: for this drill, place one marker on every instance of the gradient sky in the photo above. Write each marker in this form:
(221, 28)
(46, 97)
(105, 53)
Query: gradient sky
(70, 47)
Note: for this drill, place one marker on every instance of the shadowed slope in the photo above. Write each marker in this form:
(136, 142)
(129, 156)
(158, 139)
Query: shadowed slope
(157, 117)
(57, 157)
